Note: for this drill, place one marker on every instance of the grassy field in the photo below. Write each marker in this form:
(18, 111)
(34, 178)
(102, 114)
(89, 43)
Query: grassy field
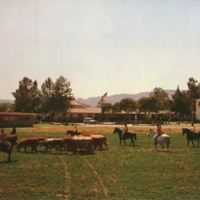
(121, 172)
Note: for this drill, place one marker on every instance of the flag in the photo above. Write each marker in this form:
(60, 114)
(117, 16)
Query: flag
(104, 96)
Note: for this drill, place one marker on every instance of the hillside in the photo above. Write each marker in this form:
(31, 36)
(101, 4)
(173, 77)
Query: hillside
(6, 100)
(93, 101)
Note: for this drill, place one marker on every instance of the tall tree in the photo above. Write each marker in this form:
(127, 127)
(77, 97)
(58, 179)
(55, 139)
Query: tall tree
(56, 96)
(162, 99)
(27, 96)
(193, 94)
(62, 95)
(47, 90)
(128, 105)
(180, 103)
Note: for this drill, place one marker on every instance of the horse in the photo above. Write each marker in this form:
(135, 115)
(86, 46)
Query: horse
(191, 136)
(163, 139)
(3, 147)
(127, 135)
(72, 133)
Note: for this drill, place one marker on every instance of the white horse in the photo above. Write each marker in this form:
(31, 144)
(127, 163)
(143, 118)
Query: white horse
(162, 139)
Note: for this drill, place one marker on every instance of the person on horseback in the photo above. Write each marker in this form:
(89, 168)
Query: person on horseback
(125, 130)
(3, 138)
(158, 133)
(193, 130)
(192, 127)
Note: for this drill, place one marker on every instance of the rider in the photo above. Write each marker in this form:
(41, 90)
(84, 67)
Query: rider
(3, 138)
(193, 129)
(158, 133)
(125, 130)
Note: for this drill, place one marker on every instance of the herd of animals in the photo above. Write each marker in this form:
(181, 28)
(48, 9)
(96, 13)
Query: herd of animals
(86, 143)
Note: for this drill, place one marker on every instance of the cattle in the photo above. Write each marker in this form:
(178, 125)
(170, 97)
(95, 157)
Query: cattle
(52, 143)
(98, 140)
(78, 143)
(30, 142)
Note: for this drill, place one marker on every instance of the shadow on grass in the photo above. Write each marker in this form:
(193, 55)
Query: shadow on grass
(6, 162)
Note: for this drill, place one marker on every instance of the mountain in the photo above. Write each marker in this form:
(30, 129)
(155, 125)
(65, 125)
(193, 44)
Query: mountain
(93, 101)
(6, 100)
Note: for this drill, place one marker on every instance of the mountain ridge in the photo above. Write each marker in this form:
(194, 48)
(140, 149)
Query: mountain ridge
(93, 101)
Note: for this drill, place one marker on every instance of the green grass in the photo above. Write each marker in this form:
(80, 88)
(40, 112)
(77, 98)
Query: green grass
(122, 172)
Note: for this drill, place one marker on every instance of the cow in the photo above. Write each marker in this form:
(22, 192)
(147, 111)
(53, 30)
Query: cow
(52, 143)
(3, 147)
(30, 142)
(98, 140)
(81, 143)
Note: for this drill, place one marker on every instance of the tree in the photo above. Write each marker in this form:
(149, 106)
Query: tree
(180, 103)
(162, 99)
(147, 104)
(47, 90)
(106, 107)
(27, 96)
(193, 94)
(128, 105)
(5, 106)
(116, 108)
(62, 95)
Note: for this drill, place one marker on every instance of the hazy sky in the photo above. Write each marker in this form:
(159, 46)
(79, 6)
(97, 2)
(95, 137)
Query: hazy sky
(114, 46)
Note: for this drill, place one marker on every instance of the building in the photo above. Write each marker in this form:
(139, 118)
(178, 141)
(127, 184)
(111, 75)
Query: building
(81, 111)
(198, 109)
(10, 119)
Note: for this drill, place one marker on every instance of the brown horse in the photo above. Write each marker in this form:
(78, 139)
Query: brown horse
(3, 147)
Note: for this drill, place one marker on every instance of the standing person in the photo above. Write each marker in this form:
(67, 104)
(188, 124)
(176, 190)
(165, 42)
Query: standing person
(125, 130)
(76, 130)
(3, 138)
(158, 133)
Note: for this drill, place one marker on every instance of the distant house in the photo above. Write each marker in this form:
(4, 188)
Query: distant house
(10, 119)
(80, 111)
(198, 109)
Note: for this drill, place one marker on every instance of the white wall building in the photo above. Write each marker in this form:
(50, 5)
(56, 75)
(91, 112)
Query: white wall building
(198, 109)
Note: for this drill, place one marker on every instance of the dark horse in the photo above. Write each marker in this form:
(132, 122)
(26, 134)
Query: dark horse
(72, 133)
(191, 136)
(3, 147)
(126, 136)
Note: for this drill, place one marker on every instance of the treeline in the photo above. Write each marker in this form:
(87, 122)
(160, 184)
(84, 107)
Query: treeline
(51, 98)
(182, 102)
(57, 96)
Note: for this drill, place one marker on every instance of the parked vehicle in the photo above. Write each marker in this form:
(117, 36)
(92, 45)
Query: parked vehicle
(92, 121)
(89, 120)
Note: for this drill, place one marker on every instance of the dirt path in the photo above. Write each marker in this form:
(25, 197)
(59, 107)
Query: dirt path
(100, 180)
(67, 192)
